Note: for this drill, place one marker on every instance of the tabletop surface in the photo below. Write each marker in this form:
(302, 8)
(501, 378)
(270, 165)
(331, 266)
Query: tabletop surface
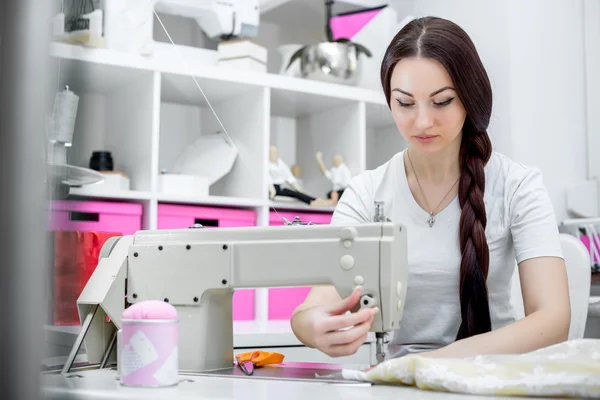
(104, 384)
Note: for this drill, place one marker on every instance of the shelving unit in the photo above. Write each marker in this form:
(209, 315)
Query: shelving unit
(145, 110)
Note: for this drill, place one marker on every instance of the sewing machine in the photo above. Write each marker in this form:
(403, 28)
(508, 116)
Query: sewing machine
(197, 270)
(219, 19)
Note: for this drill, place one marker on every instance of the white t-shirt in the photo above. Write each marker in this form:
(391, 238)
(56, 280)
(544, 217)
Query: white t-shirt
(339, 176)
(520, 225)
(280, 173)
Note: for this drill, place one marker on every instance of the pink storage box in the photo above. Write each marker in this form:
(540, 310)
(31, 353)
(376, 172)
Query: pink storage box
(95, 216)
(283, 301)
(172, 216)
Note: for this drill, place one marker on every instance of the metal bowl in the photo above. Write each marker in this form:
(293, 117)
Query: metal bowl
(330, 62)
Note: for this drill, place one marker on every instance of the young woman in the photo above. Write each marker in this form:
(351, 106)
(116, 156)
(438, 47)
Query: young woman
(472, 215)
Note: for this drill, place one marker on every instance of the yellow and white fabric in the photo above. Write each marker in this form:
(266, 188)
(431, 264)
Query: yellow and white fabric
(568, 369)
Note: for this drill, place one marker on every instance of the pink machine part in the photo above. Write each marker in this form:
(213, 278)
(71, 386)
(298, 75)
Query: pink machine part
(586, 241)
(347, 26)
(172, 216)
(283, 301)
(148, 351)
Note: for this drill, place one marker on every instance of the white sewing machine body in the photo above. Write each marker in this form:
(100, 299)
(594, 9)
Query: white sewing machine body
(217, 18)
(197, 270)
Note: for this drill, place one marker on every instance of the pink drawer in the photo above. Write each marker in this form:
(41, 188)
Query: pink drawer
(95, 216)
(171, 216)
(283, 301)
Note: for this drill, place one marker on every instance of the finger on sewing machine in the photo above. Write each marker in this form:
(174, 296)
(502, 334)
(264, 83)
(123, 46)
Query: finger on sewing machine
(346, 304)
(336, 322)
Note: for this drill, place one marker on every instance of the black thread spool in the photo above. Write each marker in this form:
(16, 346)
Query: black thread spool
(101, 161)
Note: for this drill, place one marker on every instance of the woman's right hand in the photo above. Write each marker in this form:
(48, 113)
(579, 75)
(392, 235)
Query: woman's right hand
(327, 326)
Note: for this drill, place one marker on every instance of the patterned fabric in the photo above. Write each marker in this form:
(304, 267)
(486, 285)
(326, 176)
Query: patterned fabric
(568, 369)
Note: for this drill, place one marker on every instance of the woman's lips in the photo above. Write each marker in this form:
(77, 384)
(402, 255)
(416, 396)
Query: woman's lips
(426, 138)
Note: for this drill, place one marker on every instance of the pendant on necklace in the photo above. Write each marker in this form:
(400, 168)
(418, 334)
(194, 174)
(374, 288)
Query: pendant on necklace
(431, 220)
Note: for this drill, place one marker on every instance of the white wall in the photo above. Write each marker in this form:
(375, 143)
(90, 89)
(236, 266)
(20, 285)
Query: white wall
(283, 136)
(180, 126)
(533, 52)
(274, 34)
(382, 145)
(547, 92)
(592, 83)
(485, 22)
(91, 118)
(183, 31)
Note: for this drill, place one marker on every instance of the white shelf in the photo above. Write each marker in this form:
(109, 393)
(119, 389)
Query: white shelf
(311, 87)
(298, 206)
(224, 201)
(111, 195)
(292, 103)
(181, 88)
(166, 60)
(98, 78)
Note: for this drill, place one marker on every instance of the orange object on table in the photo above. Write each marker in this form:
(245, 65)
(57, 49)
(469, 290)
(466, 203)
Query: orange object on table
(260, 358)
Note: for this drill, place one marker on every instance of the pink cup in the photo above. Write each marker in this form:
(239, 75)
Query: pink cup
(148, 345)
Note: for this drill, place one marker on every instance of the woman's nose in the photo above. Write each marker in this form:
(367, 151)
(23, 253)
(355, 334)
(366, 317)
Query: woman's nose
(424, 119)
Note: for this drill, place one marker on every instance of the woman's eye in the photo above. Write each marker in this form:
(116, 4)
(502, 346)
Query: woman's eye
(401, 104)
(444, 103)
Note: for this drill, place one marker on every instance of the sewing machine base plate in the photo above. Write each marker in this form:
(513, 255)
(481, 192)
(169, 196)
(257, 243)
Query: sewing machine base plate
(286, 371)
(104, 385)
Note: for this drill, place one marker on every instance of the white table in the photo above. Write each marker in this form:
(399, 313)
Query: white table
(103, 384)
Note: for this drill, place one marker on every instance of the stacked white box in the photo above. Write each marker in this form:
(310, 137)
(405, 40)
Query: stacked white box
(243, 54)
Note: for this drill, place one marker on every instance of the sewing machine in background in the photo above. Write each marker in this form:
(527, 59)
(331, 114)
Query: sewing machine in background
(197, 270)
(223, 20)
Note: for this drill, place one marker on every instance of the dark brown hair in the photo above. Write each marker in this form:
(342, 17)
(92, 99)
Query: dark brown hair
(447, 43)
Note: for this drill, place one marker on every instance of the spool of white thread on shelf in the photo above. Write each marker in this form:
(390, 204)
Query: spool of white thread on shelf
(64, 115)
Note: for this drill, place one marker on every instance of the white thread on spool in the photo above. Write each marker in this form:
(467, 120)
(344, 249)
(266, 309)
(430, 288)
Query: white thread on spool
(65, 112)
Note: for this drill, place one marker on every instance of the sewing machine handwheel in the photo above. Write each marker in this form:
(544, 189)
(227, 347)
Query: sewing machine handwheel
(367, 301)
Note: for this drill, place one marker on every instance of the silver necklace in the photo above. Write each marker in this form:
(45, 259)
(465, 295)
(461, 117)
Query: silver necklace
(432, 214)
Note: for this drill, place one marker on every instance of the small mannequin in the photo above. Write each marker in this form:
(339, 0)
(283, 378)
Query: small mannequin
(280, 175)
(296, 171)
(340, 177)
